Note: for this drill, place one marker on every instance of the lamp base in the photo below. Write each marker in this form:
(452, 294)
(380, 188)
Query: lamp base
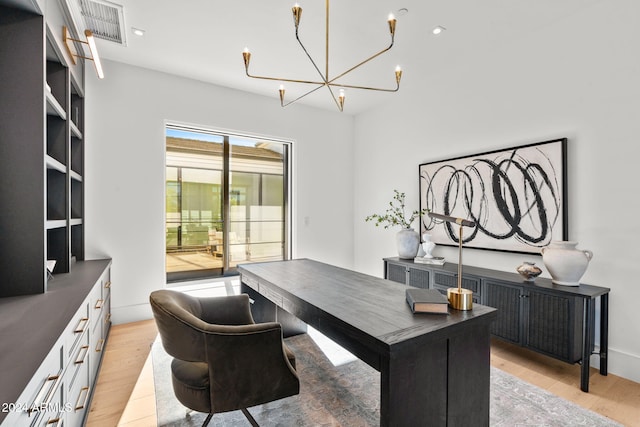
(460, 299)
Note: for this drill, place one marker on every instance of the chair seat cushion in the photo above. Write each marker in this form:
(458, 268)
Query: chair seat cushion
(191, 384)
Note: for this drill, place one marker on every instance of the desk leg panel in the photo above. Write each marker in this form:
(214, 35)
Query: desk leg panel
(413, 388)
(469, 379)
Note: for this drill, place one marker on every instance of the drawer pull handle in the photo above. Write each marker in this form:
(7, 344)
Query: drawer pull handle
(81, 325)
(99, 304)
(100, 345)
(57, 421)
(79, 405)
(107, 285)
(107, 318)
(84, 350)
(44, 396)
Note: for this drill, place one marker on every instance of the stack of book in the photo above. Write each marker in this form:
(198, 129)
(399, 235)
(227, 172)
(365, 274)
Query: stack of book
(436, 260)
(427, 301)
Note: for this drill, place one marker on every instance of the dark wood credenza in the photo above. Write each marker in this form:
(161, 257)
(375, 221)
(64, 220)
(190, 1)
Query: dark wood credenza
(558, 321)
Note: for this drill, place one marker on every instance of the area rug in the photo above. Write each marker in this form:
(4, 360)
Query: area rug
(348, 395)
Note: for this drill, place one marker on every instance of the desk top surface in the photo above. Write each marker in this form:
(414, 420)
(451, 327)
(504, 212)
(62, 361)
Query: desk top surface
(371, 305)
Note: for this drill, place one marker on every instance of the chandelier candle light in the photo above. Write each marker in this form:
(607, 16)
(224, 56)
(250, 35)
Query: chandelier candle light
(459, 298)
(325, 80)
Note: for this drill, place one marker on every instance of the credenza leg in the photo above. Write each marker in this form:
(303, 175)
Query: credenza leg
(604, 333)
(587, 325)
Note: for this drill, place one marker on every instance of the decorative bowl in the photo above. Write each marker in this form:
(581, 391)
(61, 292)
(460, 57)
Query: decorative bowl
(529, 271)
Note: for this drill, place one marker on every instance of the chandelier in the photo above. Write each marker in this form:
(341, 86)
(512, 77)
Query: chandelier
(330, 82)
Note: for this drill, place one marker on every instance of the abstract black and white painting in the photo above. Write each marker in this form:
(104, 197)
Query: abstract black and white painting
(516, 197)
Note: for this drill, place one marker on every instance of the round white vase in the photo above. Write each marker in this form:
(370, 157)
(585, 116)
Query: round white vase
(408, 242)
(565, 263)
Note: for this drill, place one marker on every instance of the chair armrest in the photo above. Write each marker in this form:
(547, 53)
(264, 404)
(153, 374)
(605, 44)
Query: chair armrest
(249, 366)
(230, 310)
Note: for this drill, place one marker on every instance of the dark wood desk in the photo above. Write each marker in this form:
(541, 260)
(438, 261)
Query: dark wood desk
(434, 368)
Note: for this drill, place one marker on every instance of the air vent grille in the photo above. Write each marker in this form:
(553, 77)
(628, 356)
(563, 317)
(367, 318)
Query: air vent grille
(104, 19)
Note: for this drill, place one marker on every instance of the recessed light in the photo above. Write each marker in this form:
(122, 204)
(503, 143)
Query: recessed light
(137, 31)
(438, 30)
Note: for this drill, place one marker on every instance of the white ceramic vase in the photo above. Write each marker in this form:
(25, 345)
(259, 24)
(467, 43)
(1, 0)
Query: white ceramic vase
(408, 242)
(565, 263)
(427, 245)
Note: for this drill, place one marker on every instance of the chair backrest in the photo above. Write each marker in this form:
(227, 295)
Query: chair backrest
(181, 330)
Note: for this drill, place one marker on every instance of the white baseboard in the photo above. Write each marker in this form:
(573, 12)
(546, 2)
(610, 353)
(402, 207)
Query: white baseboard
(131, 313)
(622, 364)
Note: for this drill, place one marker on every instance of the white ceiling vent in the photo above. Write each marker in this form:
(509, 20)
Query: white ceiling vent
(104, 19)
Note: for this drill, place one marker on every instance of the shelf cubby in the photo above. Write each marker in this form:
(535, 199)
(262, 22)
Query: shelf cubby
(77, 242)
(57, 139)
(77, 155)
(77, 205)
(58, 249)
(56, 195)
(77, 107)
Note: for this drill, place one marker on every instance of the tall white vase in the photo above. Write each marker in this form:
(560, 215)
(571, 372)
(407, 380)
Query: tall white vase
(565, 263)
(408, 242)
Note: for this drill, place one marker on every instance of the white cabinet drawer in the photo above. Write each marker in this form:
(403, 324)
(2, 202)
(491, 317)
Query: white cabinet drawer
(41, 394)
(78, 397)
(77, 327)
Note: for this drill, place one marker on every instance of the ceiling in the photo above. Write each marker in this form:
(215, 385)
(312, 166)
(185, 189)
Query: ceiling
(204, 39)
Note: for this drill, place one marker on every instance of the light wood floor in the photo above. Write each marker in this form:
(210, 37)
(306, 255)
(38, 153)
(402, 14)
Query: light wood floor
(124, 394)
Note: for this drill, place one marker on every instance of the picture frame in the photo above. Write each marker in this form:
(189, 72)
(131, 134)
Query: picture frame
(516, 196)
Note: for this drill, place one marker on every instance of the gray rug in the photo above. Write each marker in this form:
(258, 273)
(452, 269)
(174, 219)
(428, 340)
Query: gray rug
(348, 395)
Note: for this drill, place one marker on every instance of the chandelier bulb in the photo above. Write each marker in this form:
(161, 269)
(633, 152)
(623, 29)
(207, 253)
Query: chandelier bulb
(246, 55)
(398, 74)
(341, 99)
(297, 14)
(392, 24)
(281, 91)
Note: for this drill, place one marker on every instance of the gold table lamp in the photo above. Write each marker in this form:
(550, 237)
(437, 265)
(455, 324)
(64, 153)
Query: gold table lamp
(459, 298)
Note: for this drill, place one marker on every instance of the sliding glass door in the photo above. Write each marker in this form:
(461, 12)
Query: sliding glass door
(227, 202)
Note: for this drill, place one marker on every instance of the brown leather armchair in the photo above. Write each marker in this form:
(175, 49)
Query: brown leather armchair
(223, 361)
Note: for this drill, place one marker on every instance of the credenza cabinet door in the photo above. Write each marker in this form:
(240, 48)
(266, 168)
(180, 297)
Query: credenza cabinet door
(416, 277)
(443, 280)
(396, 272)
(508, 299)
(554, 325)
(419, 278)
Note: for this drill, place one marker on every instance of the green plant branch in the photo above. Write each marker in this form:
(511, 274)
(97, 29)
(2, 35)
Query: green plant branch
(396, 213)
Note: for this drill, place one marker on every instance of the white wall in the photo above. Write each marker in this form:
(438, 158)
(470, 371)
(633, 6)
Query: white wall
(124, 179)
(572, 79)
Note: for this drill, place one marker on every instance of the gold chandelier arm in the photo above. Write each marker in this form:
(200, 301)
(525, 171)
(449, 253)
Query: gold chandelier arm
(278, 79)
(323, 77)
(366, 87)
(364, 62)
(301, 96)
(283, 104)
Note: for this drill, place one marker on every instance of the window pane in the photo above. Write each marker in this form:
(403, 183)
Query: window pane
(194, 202)
(200, 240)
(257, 201)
